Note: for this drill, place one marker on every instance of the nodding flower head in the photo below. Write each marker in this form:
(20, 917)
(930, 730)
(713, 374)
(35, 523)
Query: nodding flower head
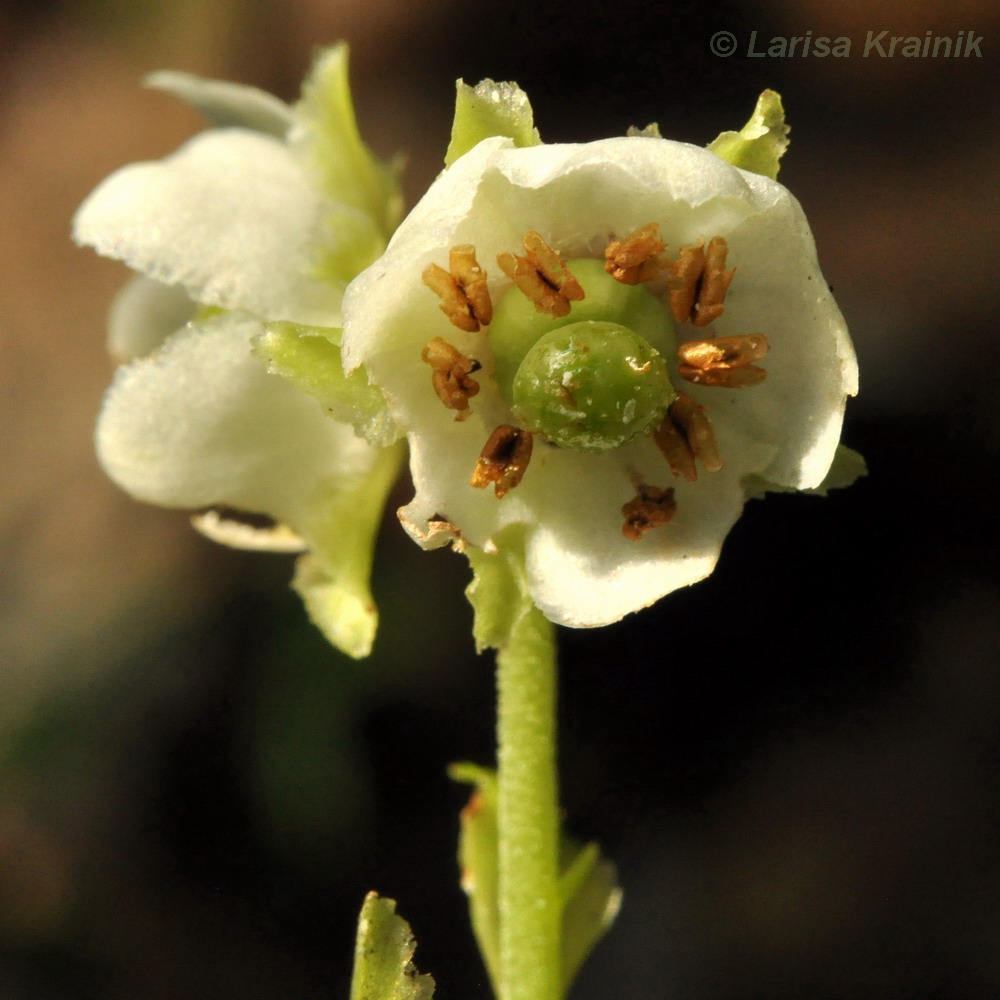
(605, 343)
(244, 240)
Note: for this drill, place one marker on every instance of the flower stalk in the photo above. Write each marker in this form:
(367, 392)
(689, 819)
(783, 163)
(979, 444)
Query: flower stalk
(530, 906)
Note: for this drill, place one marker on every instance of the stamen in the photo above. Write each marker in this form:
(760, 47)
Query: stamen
(450, 377)
(715, 280)
(651, 508)
(464, 293)
(542, 276)
(636, 257)
(503, 459)
(723, 361)
(682, 281)
(697, 282)
(685, 435)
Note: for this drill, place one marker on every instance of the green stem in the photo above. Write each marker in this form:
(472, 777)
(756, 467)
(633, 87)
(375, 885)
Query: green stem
(527, 814)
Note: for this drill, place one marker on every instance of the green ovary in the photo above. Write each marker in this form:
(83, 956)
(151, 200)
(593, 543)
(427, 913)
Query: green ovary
(517, 325)
(594, 379)
(592, 386)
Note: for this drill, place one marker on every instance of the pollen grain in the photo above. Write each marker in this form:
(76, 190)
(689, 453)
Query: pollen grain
(697, 282)
(450, 376)
(503, 460)
(685, 436)
(542, 275)
(464, 293)
(650, 508)
(723, 361)
(637, 257)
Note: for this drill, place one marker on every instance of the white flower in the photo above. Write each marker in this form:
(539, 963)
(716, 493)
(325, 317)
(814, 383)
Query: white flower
(589, 560)
(245, 239)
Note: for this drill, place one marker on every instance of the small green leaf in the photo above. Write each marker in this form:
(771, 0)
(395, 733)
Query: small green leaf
(309, 357)
(333, 580)
(383, 953)
(760, 144)
(479, 862)
(591, 897)
(591, 901)
(486, 110)
(499, 589)
(848, 466)
(326, 133)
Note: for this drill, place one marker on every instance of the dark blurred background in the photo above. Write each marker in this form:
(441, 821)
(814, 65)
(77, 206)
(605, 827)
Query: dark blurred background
(795, 763)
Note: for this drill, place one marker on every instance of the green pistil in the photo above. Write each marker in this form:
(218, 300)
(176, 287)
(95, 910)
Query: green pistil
(592, 386)
(517, 325)
(594, 379)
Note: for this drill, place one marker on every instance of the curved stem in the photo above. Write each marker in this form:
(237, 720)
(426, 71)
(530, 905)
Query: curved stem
(530, 907)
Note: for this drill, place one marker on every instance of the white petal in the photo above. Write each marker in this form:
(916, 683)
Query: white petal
(143, 314)
(582, 570)
(200, 423)
(239, 534)
(230, 216)
(811, 366)
(224, 103)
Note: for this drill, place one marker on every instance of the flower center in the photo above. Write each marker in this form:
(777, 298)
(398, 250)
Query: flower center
(518, 325)
(592, 385)
(579, 353)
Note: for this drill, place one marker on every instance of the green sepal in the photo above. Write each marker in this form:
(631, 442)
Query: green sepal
(486, 110)
(328, 134)
(499, 589)
(847, 468)
(383, 956)
(309, 357)
(761, 143)
(347, 173)
(333, 579)
(590, 894)
(651, 131)
(224, 104)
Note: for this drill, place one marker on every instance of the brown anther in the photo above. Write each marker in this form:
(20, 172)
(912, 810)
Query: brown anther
(542, 276)
(450, 377)
(723, 361)
(636, 257)
(464, 294)
(503, 459)
(685, 435)
(650, 508)
(697, 282)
